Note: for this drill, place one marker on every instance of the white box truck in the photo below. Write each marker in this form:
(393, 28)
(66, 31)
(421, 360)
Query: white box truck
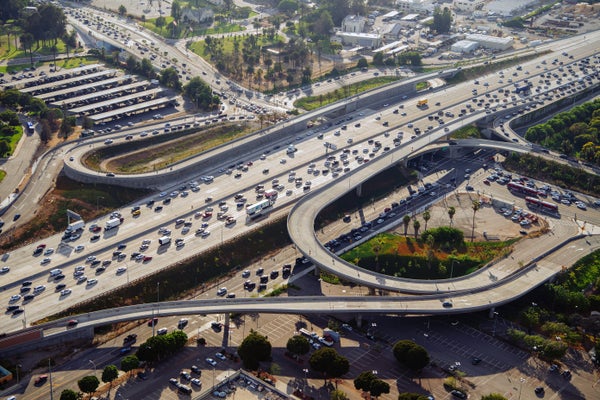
(112, 223)
(75, 226)
(164, 240)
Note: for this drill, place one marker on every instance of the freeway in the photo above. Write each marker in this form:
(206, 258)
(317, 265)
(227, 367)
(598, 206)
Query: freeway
(466, 301)
(352, 139)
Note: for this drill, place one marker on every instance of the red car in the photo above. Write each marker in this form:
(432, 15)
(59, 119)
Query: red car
(41, 246)
(486, 182)
(147, 259)
(40, 380)
(72, 322)
(96, 229)
(153, 322)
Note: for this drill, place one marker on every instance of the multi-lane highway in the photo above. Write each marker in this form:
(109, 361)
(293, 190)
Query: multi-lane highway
(381, 124)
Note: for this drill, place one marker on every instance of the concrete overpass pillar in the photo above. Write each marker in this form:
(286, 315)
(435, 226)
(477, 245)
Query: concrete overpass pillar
(371, 291)
(492, 312)
(454, 152)
(317, 271)
(358, 320)
(226, 321)
(359, 190)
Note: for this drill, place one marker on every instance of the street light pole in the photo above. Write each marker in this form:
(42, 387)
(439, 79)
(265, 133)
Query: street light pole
(494, 329)
(94, 364)
(452, 268)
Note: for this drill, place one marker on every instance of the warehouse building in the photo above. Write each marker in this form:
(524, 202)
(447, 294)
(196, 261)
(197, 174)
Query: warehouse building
(491, 42)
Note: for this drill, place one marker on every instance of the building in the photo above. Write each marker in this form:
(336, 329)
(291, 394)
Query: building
(464, 46)
(467, 6)
(410, 20)
(197, 15)
(368, 40)
(509, 8)
(416, 6)
(391, 32)
(491, 42)
(354, 24)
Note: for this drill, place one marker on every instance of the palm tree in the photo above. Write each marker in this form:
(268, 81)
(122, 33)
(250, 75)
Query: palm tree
(426, 217)
(451, 212)
(27, 41)
(406, 221)
(476, 205)
(416, 226)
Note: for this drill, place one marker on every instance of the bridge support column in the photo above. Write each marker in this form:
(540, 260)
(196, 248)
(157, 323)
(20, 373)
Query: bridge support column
(358, 320)
(317, 271)
(454, 152)
(492, 313)
(359, 190)
(371, 291)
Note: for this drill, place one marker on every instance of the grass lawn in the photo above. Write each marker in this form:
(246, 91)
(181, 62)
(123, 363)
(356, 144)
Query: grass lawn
(14, 139)
(312, 102)
(422, 85)
(466, 132)
(407, 257)
(2, 175)
(198, 47)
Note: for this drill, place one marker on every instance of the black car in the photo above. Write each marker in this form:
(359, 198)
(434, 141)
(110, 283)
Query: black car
(59, 277)
(274, 274)
(264, 279)
(28, 297)
(94, 238)
(196, 370)
(60, 287)
(25, 289)
(12, 308)
(27, 283)
(18, 311)
(459, 394)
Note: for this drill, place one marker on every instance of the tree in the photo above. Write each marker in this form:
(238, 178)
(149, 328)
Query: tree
(411, 355)
(327, 361)
(109, 374)
(379, 387)
(122, 10)
(451, 212)
(426, 217)
(378, 58)
(88, 384)
(363, 381)
(362, 63)
(27, 41)
(442, 20)
(338, 395)
(170, 78)
(493, 396)
(412, 396)
(406, 221)
(176, 11)
(416, 226)
(298, 345)
(160, 22)
(129, 363)
(201, 94)
(254, 349)
(69, 394)
(475, 206)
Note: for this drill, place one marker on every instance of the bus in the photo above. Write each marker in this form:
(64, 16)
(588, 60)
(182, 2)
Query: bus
(255, 210)
(542, 205)
(517, 187)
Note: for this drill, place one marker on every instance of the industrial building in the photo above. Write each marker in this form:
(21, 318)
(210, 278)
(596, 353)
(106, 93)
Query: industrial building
(508, 8)
(464, 46)
(467, 6)
(491, 42)
(368, 40)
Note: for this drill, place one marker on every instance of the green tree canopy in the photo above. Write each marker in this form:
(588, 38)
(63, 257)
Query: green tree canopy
(109, 374)
(254, 349)
(328, 362)
(69, 394)
(88, 384)
(129, 363)
(411, 355)
(170, 78)
(298, 345)
(201, 94)
(122, 10)
(493, 396)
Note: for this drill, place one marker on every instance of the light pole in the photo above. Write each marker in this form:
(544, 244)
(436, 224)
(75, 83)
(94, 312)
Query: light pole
(494, 329)
(305, 370)
(452, 268)
(19, 366)
(94, 364)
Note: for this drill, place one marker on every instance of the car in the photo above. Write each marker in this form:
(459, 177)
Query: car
(182, 323)
(230, 295)
(65, 292)
(45, 261)
(220, 356)
(16, 217)
(92, 282)
(162, 331)
(4, 270)
(72, 322)
(196, 381)
(347, 327)
(458, 394)
(40, 380)
(538, 390)
(476, 361)
(14, 298)
(222, 291)
(246, 274)
(447, 304)
(153, 322)
(60, 287)
(196, 370)
(173, 381)
(211, 362)
(185, 375)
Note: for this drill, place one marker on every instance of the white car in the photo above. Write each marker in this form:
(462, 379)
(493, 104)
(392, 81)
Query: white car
(4, 270)
(222, 291)
(14, 297)
(48, 251)
(211, 362)
(91, 282)
(45, 261)
(120, 270)
(79, 248)
(65, 292)
(196, 382)
(39, 289)
(220, 356)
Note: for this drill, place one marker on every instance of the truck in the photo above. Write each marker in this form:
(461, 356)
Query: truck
(271, 194)
(164, 240)
(524, 88)
(112, 223)
(75, 226)
(257, 208)
(422, 103)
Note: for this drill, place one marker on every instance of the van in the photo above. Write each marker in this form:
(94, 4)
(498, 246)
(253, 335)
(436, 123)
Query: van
(184, 389)
(164, 240)
(55, 272)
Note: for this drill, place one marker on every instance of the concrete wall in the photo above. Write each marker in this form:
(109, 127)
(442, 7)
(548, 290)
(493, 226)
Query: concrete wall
(64, 340)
